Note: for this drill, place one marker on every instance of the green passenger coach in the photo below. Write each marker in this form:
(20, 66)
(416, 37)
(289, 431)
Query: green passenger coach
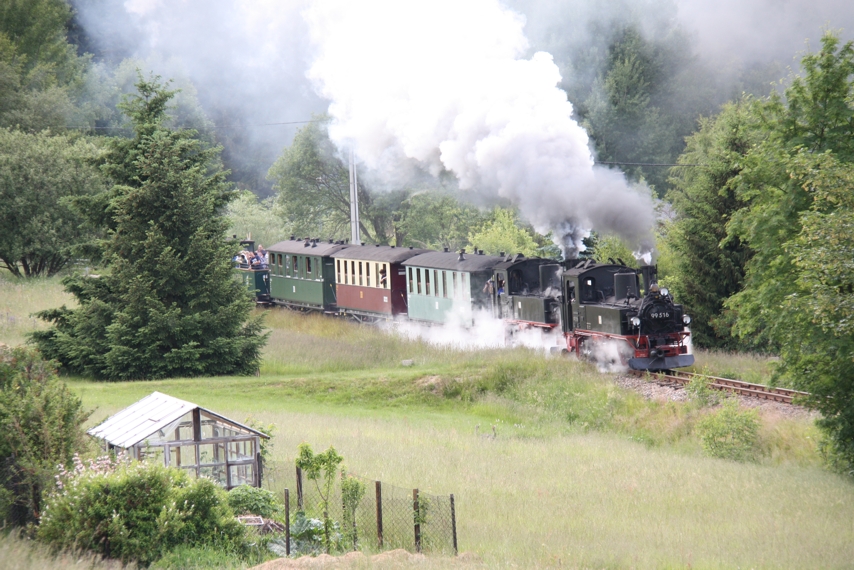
(443, 286)
(302, 274)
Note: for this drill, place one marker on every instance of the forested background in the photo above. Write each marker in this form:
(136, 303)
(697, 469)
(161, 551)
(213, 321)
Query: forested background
(743, 132)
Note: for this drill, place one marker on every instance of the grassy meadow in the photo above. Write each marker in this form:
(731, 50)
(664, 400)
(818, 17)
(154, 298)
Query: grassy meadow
(582, 473)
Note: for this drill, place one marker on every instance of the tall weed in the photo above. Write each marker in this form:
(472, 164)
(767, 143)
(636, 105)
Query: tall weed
(730, 433)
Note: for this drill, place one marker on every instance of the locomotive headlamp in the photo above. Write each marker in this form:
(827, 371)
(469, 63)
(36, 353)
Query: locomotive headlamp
(686, 319)
(635, 321)
(665, 291)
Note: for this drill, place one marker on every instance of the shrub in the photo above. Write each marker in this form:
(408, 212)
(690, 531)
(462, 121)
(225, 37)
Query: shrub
(40, 427)
(699, 391)
(137, 512)
(246, 500)
(730, 433)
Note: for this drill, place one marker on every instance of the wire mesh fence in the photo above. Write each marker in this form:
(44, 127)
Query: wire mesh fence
(384, 517)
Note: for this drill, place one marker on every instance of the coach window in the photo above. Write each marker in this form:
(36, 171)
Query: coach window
(466, 292)
(338, 271)
(308, 273)
(346, 272)
(367, 273)
(361, 282)
(418, 280)
(382, 275)
(445, 284)
(409, 269)
(456, 291)
(426, 281)
(352, 273)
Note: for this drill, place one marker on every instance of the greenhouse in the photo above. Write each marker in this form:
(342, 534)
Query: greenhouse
(184, 435)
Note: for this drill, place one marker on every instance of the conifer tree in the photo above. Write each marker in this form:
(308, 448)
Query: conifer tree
(167, 305)
(709, 266)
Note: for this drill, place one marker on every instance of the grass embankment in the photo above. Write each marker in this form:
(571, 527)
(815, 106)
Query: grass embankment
(582, 473)
(20, 298)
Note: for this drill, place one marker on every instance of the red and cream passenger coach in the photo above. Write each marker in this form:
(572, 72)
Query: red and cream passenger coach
(369, 280)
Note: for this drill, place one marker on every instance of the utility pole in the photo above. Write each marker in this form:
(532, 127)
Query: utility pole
(354, 201)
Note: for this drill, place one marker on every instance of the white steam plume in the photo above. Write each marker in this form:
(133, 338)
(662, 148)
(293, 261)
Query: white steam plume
(444, 84)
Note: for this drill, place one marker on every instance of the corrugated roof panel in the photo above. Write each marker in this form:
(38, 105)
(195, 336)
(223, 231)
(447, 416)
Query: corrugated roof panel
(140, 420)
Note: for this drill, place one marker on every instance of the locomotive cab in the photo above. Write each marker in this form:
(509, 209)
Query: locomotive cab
(604, 303)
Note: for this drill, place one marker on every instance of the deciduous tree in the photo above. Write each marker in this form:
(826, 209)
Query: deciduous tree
(40, 176)
(314, 191)
(797, 185)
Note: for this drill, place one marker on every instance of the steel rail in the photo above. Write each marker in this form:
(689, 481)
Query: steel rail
(682, 378)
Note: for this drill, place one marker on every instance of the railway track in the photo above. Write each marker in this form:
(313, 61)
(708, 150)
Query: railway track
(680, 378)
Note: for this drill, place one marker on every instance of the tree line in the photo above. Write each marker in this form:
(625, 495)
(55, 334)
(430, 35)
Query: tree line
(762, 241)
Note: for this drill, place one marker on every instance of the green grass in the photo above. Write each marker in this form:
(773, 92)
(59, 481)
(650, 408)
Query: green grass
(754, 368)
(18, 553)
(20, 298)
(582, 473)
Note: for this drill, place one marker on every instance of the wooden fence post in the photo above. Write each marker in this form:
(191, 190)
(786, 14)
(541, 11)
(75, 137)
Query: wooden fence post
(417, 519)
(379, 491)
(454, 524)
(300, 505)
(288, 521)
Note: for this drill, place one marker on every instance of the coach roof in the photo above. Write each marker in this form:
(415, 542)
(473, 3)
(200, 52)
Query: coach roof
(470, 262)
(307, 247)
(387, 253)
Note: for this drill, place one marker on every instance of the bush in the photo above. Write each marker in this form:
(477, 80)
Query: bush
(137, 512)
(246, 500)
(40, 427)
(730, 433)
(699, 391)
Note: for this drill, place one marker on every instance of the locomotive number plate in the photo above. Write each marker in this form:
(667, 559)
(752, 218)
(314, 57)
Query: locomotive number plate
(660, 315)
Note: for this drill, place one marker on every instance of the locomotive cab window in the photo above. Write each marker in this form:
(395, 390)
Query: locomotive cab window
(588, 290)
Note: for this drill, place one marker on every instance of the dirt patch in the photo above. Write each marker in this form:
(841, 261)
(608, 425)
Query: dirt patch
(386, 560)
(433, 384)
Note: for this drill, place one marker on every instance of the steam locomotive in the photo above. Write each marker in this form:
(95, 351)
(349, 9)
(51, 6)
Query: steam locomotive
(590, 305)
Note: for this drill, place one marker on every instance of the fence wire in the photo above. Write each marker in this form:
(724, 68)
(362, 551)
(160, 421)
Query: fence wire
(424, 524)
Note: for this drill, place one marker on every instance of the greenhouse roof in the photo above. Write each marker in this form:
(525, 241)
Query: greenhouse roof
(146, 417)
